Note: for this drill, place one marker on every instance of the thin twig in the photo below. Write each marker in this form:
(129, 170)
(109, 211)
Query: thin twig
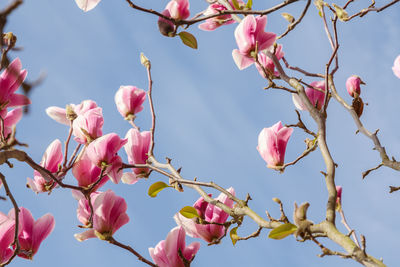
(111, 240)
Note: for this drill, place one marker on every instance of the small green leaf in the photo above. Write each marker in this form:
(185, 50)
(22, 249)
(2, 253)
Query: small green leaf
(188, 39)
(249, 4)
(157, 187)
(233, 235)
(341, 13)
(236, 4)
(189, 212)
(282, 231)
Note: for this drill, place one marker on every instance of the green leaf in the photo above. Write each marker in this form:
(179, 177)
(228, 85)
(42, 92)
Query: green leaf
(157, 187)
(233, 235)
(282, 231)
(189, 212)
(188, 39)
(236, 4)
(249, 4)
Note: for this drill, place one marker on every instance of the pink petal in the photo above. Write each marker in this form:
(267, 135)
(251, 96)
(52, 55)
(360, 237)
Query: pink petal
(241, 60)
(17, 100)
(87, 5)
(58, 114)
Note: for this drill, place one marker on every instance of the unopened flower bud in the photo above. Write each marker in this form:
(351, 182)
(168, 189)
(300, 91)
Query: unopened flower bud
(166, 27)
(358, 106)
(353, 86)
(338, 198)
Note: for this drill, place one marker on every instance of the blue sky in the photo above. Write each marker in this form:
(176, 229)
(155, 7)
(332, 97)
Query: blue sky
(209, 115)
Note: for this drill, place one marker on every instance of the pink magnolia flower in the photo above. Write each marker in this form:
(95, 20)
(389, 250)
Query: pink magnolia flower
(83, 212)
(396, 67)
(215, 22)
(60, 114)
(267, 63)
(272, 143)
(316, 97)
(11, 119)
(10, 80)
(251, 39)
(353, 86)
(178, 9)
(109, 214)
(88, 126)
(86, 173)
(208, 213)
(7, 229)
(103, 153)
(338, 198)
(166, 252)
(51, 161)
(87, 5)
(32, 232)
(137, 149)
(129, 100)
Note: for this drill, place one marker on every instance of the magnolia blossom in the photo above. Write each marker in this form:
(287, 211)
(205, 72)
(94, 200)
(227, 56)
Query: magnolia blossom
(83, 212)
(353, 86)
(215, 22)
(51, 161)
(60, 114)
(178, 9)
(166, 252)
(103, 153)
(7, 229)
(11, 119)
(32, 232)
(137, 149)
(209, 213)
(251, 39)
(267, 63)
(88, 125)
(87, 5)
(129, 100)
(338, 197)
(272, 143)
(109, 214)
(396, 67)
(316, 97)
(10, 80)
(86, 173)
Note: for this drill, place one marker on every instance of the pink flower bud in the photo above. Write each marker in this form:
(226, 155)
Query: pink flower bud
(166, 252)
(267, 63)
(129, 101)
(209, 213)
(32, 232)
(87, 5)
(137, 149)
(251, 39)
(10, 80)
(51, 161)
(83, 212)
(109, 215)
(396, 67)
(316, 97)
(88, 126)
(165, 26)
(272, 143)
(103, 153)
(215, 22)
(178, 9)
(338, 197)
(353, 86)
